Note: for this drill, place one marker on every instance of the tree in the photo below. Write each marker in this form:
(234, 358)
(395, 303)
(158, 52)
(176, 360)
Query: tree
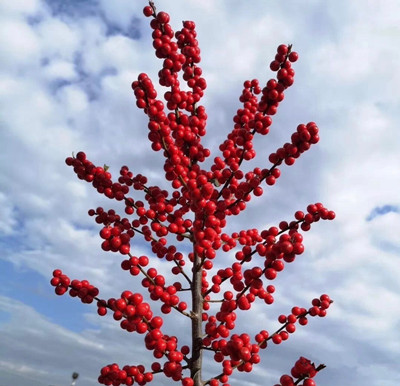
(195, 212)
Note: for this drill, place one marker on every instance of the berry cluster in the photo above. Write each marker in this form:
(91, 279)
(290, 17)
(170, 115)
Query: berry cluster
(60, 281)
(128, 375)
(302, 139)
(276, 250)
(155, 283)
(194, 211)
(136, 315)
(115, 239)
(273, 91)
(177, 133)
(298, 314)
(97, 175)
(303, 370)
(81, 289)
(253, 118)
(239, 352)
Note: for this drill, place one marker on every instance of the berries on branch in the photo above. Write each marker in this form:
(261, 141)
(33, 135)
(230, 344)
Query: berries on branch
(194, 212)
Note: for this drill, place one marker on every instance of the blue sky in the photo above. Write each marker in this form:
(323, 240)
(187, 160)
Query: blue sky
(65, 75)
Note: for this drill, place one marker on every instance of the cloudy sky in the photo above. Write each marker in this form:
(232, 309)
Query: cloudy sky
(66, 69)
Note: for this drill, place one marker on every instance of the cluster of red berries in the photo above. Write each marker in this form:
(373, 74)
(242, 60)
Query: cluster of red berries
(177, 133)
(272, 94)
(299, 314)
(239, 144)
(81, 289)
(253, 118)
(115, 239)
(116, 232)
(186, 60)
(302, 139)
(319, 306)
(315, 212)
(197, 211)
(128, 375)
(303, 370)
(275, 250)
(155, 283)
(60, 281)
(97, 175)
(241, 352)
(136, 314)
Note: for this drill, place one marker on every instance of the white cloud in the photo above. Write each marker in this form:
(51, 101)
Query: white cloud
(7, 215)
(23, 50)
(60, 69)
(74, 99)
(39, 350)
(364, 47)
(122, 51)
(58, 39)
(384, 230)
(120, 12)
(20, 7)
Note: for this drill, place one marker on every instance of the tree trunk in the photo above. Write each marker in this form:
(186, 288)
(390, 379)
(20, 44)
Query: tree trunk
(197, 308)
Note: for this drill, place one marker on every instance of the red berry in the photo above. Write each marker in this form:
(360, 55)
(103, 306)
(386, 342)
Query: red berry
(293, 56)
(57, 273)
(81, 156)
(187, 381)
(282, 49)
(60, 290)
(277, 339)
(274, 65)
(286, 380)
(270, 274)
(148, 11)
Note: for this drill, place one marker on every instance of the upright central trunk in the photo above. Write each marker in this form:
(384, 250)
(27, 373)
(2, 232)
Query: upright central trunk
(197, 308)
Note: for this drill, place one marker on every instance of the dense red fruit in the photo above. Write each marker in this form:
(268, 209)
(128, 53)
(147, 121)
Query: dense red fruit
(196, 209)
